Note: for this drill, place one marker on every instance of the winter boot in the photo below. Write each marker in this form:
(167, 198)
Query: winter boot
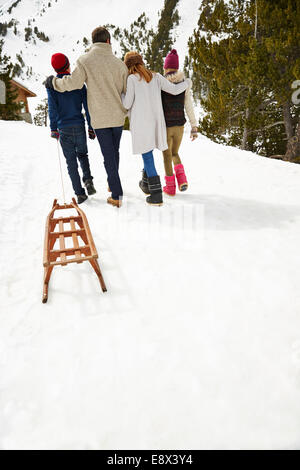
(170, 188)
(81, 198)
(90, 187)
(181, 177)
(114, 202)
(143, 184)
(155, 198)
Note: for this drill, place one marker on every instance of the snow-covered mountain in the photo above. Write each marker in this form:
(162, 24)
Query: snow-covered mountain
(196, 344)
(60, 26)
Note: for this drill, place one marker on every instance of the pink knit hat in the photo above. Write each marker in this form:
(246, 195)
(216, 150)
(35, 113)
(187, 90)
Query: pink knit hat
(172, 60)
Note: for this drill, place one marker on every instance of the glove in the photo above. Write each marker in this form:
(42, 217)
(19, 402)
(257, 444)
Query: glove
(194, 133)
(48, 82)
(92, 134)
(55, 135)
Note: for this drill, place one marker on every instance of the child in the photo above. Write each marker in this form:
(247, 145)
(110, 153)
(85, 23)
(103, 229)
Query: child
(147, 122)
(174, 107)
(67, 126)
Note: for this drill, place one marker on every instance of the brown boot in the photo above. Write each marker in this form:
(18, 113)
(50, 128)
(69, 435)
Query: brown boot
(114, 202)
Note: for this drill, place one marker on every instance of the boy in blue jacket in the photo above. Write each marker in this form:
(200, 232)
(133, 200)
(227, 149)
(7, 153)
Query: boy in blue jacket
(68, 126)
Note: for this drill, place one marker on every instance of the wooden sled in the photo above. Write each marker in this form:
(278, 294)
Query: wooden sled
(79, 227)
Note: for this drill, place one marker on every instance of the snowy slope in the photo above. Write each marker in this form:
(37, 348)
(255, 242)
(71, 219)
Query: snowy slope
(196, 344)
(67, 21)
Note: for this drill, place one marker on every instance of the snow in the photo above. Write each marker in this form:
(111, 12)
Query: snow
(196, 343)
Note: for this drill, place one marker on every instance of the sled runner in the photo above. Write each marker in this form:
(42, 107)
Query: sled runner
(78, 229)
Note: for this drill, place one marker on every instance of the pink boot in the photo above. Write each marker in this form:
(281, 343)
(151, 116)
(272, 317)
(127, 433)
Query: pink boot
(170, 189)
(181, 177)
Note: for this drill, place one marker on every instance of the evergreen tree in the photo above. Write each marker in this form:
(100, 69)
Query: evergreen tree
(219, 47)
(141, 37)
(279, 38)
(10, 110)
(13, 6)
(162, 41)
(5, 26)
(28, 33)
(293, 148)
(137, 37)
(41, 116)
(86, 44)
(40, 34)
(244, 57)
(278, 42)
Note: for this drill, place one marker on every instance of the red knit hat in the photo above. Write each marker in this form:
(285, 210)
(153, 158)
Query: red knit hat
(172, 60)
(60, 62)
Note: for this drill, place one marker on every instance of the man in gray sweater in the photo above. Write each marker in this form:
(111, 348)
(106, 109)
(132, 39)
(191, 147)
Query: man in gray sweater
(106, 78)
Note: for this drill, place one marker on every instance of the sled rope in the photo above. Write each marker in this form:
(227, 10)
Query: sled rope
(61, 175)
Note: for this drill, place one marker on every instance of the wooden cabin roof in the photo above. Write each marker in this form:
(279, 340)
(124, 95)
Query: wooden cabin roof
(28, 93)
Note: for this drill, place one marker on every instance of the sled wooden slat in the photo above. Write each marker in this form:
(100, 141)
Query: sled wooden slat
(62, 244)
(72, 260)
(47, 229)
(71, 251)
(76, 218)
(75, 241)
(67, 233)
(76, 254)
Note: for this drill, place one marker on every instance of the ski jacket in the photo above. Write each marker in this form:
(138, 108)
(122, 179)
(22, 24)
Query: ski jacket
(175, 106)
(106, 78)
(65, 109)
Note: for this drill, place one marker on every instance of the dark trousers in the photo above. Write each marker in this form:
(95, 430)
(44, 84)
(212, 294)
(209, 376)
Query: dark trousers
(73, 143)
(109, 140)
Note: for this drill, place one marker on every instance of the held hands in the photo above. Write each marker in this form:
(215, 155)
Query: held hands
(194, 133)
(92, 134)
(48, 82)
(55, 135)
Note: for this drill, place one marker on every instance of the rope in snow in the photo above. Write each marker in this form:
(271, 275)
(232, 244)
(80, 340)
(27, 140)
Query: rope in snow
(61, 175)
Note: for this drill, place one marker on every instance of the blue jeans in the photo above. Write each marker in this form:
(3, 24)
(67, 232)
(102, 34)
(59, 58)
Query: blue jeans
(73, 143)
(109, 140)
(149, 166)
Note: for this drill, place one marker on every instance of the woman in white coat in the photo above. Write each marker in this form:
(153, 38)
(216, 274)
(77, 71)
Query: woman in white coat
(147, 121)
